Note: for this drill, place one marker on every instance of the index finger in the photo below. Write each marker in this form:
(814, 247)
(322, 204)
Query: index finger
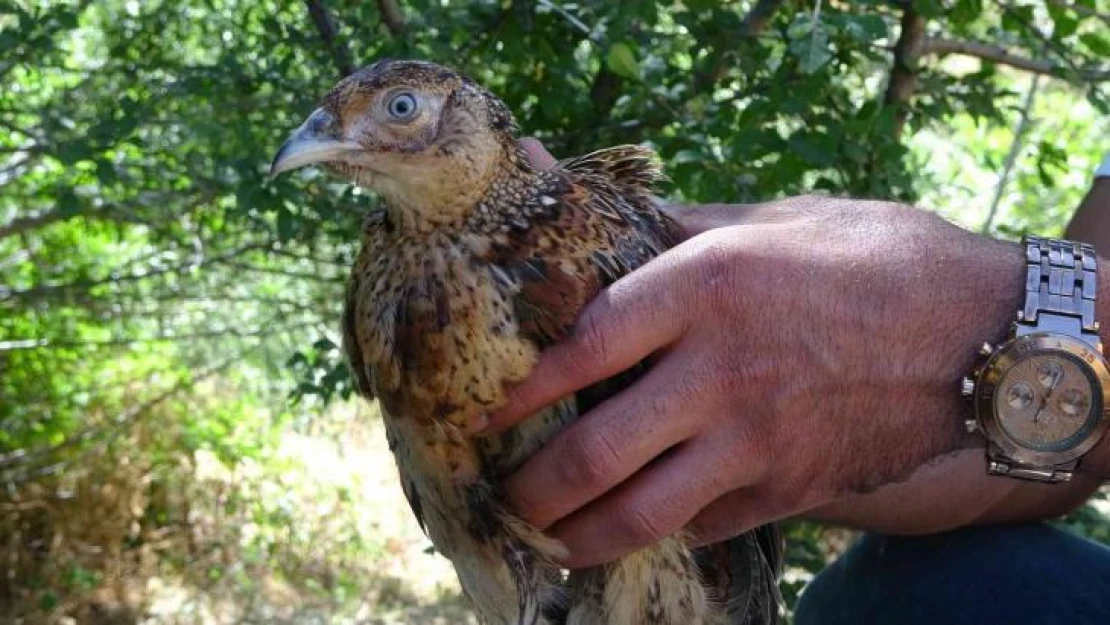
(642, 312)
(537, 154)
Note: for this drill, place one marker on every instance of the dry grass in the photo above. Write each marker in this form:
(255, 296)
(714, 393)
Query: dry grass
(319, 532)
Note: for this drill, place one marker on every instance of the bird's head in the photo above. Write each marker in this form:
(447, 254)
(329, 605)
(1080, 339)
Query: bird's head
(427, 139)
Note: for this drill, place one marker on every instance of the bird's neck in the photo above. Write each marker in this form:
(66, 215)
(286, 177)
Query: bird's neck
(451, 198)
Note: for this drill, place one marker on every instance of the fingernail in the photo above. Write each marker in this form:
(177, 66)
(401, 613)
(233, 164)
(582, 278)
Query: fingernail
(477, 425)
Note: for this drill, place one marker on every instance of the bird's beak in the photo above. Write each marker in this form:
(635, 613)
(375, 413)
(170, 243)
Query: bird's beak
(316, 141)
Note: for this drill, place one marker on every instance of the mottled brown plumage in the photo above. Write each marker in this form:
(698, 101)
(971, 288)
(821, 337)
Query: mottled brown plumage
(475, 263)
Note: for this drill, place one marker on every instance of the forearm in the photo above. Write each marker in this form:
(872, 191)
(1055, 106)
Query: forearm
(1091, 222)
(954, 491)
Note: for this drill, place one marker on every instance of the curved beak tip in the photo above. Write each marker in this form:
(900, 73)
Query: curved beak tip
(313, 142)
(277, 166)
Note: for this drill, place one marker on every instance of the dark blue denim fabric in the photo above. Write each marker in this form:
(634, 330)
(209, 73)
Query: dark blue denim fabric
(1002, 575)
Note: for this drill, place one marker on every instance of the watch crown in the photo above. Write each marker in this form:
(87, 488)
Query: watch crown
(986, 349)
(971, 425)
(1021, 315)
(967, 387)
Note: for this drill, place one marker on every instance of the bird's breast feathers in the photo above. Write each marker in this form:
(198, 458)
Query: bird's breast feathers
(438, 324)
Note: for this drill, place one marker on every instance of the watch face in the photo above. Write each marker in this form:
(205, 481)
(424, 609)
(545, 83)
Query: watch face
(1048, 401)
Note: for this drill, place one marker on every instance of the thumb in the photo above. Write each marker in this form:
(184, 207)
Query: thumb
(695, 219)
(537, 154)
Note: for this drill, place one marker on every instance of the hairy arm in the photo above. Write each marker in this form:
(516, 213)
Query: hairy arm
(1091, 222)
(954, 490)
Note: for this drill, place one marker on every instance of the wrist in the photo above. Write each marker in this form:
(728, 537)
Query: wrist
(1097, 461)
(995, 292)
(1049, 335)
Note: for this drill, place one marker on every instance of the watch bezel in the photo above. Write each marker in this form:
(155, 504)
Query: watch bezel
(1006, 357)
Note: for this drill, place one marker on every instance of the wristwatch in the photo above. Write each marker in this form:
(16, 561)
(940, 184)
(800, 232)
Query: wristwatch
(1042, 398)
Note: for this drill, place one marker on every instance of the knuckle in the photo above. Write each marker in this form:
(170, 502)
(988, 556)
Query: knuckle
(640, 527)
(751, 447)
(687, 392)
(590, 462)
(714, 271)
(592, 337)
(703, 530)
(719, 378)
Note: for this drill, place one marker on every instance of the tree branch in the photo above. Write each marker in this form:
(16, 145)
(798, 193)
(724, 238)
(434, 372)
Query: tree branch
(903, 72)
(45, 291)
(34, 136)
(19, 225)
(120, 213)
(392, 16)
(571, 19)
(58, 343)
(999, 55)
(1015, 150)
(326, 27)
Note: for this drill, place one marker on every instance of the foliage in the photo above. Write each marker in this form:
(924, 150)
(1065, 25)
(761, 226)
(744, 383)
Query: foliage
(162, 300)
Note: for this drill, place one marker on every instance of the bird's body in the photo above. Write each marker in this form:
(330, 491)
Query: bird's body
(477, 262)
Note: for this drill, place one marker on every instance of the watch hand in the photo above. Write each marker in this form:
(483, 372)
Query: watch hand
(1056, 377)
(1037, 416)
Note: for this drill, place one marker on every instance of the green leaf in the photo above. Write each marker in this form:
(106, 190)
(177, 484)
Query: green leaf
(1064, 21)
(106, 172)
(809, 43)
(622, 61)
(814, 148)
(1095, 43)
(1017, 18)
(863, 27)
(48, 601)
(929, 8)
(687, 156)
(67, 201)
(73, 152)
(286, 224)
(965, 11)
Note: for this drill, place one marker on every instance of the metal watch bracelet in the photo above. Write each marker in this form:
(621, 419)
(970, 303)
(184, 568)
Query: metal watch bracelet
(1060, 284)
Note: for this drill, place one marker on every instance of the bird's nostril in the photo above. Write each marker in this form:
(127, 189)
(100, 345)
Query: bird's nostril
(320, 123)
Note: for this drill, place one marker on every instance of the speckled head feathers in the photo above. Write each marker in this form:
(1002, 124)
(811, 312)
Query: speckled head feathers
(422, 135)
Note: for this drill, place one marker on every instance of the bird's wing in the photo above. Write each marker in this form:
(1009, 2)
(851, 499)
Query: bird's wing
(743, 573)
(592, 221)
(631, 168)
(578, 233)
(607, 196)
(360, 373)
(359, 368)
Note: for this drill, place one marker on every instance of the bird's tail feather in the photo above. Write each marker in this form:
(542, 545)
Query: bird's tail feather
(633, 168)
(743, 573)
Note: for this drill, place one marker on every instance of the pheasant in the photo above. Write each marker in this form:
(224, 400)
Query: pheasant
(474, 263)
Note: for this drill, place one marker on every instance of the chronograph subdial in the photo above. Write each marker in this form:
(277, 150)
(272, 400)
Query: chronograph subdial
(1044, 400)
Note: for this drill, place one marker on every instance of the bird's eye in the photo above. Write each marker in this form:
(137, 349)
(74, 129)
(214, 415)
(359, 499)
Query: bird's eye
(402, 106)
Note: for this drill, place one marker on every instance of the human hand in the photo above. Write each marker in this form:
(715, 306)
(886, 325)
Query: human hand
(800, 350)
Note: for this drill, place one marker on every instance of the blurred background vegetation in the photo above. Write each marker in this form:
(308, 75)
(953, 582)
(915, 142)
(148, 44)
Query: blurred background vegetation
(177, 440)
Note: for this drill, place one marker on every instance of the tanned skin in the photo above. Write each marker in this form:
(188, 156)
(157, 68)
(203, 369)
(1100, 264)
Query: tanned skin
(828, 339)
